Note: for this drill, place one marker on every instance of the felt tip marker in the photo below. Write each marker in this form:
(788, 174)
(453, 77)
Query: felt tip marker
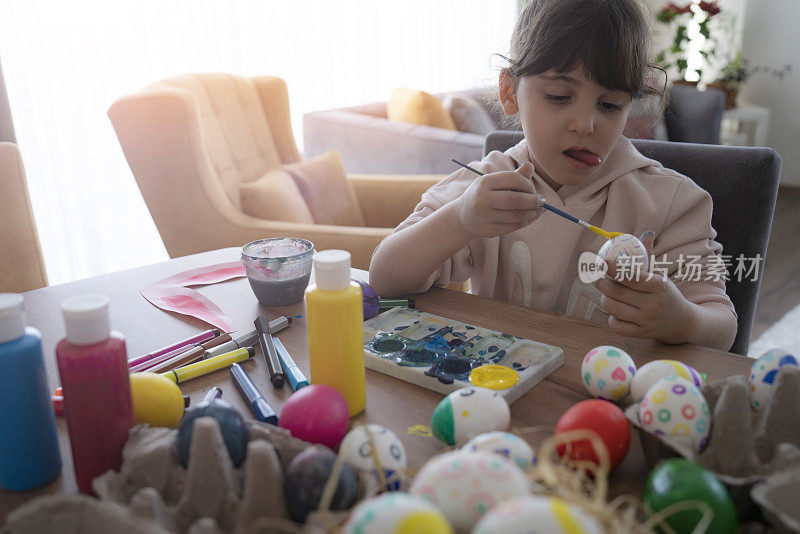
(254, 398)
(276, 376)
(213, 393)
(203, 367)
(249, 338)
(202, 337)
(296, 378)
(159, 365)
(394, 303)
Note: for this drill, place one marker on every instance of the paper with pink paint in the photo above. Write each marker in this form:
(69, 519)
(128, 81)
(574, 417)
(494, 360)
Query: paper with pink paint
(173, 294)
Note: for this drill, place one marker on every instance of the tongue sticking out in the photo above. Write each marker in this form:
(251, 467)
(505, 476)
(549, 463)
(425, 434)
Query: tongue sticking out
(585, 156)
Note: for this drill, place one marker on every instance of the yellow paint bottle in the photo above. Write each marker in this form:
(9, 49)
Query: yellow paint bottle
(335, 317)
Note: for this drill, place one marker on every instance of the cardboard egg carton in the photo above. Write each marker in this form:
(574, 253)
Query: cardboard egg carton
(744, 446)
(154, 493)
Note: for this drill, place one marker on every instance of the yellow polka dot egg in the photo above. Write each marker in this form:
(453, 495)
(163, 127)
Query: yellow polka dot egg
(465, 485)
(652, 372)
(675, 407)
(536, 513)
(397, 513)
(607, 372)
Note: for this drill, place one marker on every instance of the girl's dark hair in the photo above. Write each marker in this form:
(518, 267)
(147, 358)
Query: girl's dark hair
(608, 38)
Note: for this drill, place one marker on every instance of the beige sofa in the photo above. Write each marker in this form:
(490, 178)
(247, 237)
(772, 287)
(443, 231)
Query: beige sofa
(192, 140)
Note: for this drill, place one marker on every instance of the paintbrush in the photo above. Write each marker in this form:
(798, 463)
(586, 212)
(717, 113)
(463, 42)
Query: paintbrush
(593, 228)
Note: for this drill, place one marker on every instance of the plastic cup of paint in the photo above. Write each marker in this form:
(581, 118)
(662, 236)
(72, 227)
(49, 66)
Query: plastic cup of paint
(278, 269)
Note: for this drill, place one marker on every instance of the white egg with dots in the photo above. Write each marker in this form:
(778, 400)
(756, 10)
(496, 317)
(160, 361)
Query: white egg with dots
(651, 372)
(607, 372)
(674, 407)
(466, 485)
(357, 450)
(762, 375)
(505, 444)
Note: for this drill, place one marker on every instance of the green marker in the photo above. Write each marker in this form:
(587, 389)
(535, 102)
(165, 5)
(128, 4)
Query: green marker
(394, 303)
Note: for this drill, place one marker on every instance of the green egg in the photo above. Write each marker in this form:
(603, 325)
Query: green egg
(442, 422)
(678, 480)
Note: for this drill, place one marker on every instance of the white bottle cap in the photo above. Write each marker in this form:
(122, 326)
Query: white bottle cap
(332, 269)
(12, 317)
(86, 319)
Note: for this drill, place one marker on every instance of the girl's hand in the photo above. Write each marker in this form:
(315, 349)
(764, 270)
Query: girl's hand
(645, 305)
(499, 203)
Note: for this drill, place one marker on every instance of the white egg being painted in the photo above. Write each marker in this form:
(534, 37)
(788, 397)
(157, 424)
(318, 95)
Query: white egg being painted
(468, 412)
(505, 444)
(625, 247)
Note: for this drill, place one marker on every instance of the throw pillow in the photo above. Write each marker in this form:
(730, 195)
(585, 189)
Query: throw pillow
(324, 186)
(418, 107)
(275, 197)
(468, 115)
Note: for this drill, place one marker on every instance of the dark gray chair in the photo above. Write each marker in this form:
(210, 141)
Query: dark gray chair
(742, 182)
(693, 116)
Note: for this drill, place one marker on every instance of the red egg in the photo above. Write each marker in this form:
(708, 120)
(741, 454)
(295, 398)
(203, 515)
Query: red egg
(605, 419)
(317, 414)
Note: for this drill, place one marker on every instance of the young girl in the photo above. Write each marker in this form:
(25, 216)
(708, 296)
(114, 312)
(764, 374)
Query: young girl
(575, 67)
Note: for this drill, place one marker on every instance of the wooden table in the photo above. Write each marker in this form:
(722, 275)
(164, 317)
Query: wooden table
(390, 402)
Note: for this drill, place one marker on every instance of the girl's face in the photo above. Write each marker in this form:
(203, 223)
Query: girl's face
(571, 122)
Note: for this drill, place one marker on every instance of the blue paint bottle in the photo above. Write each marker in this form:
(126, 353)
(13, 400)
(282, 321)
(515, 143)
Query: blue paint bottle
(29, 454)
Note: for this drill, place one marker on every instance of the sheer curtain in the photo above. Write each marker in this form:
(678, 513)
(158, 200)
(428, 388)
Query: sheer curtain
(66, 62)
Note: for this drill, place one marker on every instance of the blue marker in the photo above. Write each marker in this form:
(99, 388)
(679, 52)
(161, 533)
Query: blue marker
(296, 378)
(249, 391)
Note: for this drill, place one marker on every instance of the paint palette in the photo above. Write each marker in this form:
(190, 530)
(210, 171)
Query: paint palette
(439, 353)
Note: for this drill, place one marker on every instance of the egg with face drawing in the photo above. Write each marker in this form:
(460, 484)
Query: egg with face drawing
(607, 372)
(468, 412)
(357, 450)
(762, 375)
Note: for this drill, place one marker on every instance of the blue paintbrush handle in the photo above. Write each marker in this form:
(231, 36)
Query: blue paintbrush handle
(559, 212)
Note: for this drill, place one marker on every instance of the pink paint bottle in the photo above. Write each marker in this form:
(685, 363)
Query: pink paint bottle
(93, 365)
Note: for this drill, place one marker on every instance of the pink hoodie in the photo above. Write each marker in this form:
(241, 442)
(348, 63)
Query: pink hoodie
(537, 266)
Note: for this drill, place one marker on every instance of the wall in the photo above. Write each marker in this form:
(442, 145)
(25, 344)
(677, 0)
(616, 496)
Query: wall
(771, 38)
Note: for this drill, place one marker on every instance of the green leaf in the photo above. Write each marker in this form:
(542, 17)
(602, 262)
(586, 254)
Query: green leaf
(660, 57)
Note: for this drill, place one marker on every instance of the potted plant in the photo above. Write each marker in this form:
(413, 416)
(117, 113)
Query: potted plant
(737, 71)
(675, 21)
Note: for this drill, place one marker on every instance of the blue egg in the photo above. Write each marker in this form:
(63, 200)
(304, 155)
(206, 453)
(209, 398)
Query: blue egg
(306, 477)
(231, 425)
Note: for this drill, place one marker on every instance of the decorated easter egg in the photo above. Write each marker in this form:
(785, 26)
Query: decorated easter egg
(397, 513)
(603, 418)
(676, 407)
(371, 301)
(468, 412)
(678, 480)
(305, 480)
(465, 485)
(607, 372)
(763, 373)
(537, 513)
(157, 400)
(505, 444)
(625, 248)
(317, 414)
(652, 372)
(231, 425)
(357, 450)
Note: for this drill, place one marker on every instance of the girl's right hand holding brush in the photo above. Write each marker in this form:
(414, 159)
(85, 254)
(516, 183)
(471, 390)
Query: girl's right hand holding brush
(499, 203)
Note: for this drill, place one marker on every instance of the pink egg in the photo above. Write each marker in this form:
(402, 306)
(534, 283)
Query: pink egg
(317, 414)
